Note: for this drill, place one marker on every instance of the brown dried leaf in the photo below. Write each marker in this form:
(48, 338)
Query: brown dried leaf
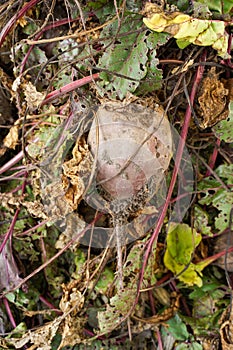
(213, 100)
(41, 338)
(36, 209)
(166, 314)
(72, 331)
(10, 201)
(11, 139)
(71, 303)
(72, 300)
(32, 96)
(73, 169)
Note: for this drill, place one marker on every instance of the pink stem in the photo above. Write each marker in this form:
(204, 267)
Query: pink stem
(12, 162)
(10, 231)
(9, 313)
(49, 305)
(69, 87)
(160, 343)
(12, 225)
(152, 302)
(181, 146)
(214, 257)
(25, 233)
(13, 19)
(15, 159)
(15, 176)
(213, 157)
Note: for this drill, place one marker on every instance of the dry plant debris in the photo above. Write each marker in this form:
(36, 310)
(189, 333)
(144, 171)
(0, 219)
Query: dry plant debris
(213, 100)
(66, 69)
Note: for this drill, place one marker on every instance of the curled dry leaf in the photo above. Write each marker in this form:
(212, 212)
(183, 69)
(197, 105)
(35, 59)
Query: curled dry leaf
(9, 275)
(36, 209)
(72, 300)
(166, 314)
(10, 201)
(40, 338)
(71, 303)
(73, 169)
(33, 97)
(11, 139)
(187, 29)
(213, 100)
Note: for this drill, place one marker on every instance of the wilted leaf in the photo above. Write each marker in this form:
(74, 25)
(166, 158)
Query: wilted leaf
(224, 129)
(9, 275)
(41, 338)
(201, 220)
(189, 30)
(32, 96)
(220, 198)
(153, 79)
(181, 243)
(121, 303)
(106, 279)
(36, 58)
(11, 138)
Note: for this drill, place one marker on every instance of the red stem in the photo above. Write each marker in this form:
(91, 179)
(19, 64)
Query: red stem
(213, 157)
(12, 225)
(10, 231)
(158, 336)
(49, 305)
(13, 19)
(69, 87)
(181, 146)
(152, 302)
(25, 233)
(9, 313)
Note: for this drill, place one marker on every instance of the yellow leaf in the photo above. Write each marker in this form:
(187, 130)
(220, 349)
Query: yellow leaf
(157, 22)
(191, 29)
(181, 18)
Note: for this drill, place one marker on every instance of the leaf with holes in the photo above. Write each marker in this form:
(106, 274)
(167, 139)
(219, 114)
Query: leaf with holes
(121, 303)
(219, 197)
(153, 79)
(201, 220)
(224, 129)
(126, 57)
